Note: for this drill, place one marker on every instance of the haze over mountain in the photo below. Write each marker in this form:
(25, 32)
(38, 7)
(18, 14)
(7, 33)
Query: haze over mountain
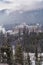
(20, 16)
(18, 11)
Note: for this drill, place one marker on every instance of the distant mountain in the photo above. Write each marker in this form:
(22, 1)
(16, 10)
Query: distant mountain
(16, 17)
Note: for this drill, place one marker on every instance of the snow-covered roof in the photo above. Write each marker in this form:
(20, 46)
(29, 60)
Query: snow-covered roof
(22, 25)
(27, 26)
(2, 29)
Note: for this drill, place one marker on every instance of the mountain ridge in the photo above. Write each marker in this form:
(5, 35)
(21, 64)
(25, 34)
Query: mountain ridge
(19, 16)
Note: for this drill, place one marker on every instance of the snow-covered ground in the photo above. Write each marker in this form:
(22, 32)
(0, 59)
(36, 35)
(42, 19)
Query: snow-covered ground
(3, 64)
(32, 57)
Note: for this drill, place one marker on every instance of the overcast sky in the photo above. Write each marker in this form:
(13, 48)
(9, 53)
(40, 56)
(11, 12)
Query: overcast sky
(21, 4)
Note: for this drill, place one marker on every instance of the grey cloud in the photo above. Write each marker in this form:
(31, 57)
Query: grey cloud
(5, 1)
(8, 2)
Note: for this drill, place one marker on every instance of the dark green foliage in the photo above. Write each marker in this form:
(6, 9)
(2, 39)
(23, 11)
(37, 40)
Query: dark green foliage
(19, 54)
(31, 40)
(28, 59)
(36, 54)
(6, 48)
(25, 39)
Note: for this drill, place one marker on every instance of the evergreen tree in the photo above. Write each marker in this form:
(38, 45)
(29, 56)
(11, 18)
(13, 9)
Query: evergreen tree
(26, 39)
(0, 55)
(19, 54)
(19, 33)
(6, 51)
(36, 54)
(28, 59)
